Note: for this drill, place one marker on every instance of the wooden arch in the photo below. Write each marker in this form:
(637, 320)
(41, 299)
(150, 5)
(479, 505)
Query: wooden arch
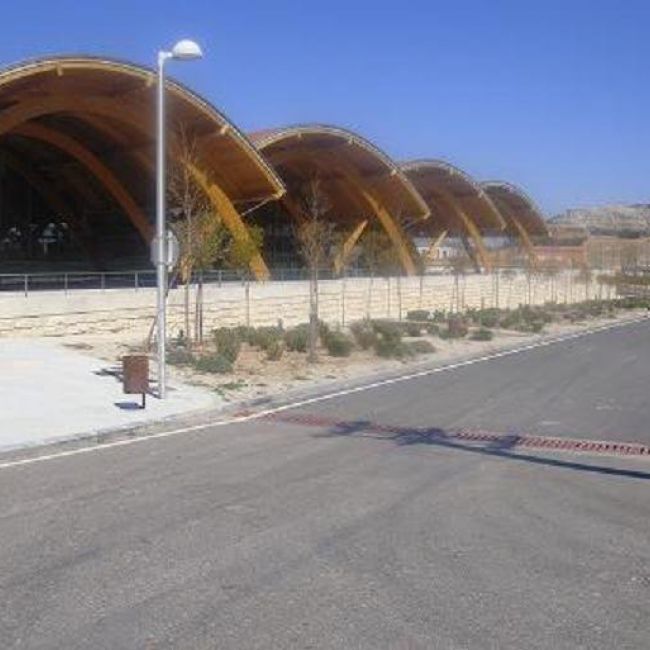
(96, 167)
(231, 171)
(458, 203)
(525, 220)
(361, 178)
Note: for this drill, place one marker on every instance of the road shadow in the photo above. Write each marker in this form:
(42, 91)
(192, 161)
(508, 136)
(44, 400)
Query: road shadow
(502, 448)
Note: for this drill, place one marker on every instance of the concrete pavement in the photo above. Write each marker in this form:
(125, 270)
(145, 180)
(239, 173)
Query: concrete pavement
(269, 534)
(49, 392)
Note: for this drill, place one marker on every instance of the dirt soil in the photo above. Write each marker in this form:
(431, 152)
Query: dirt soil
(256, 377)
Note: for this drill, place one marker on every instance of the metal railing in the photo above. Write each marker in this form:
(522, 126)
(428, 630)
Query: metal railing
(36, 282)
(27, 283)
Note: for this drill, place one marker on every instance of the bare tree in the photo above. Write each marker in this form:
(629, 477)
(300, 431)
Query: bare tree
(203, 236)
(379, 256)
(316, 237)
(194, 218)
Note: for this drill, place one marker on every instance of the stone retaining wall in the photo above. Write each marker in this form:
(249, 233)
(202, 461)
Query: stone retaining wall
(341, 301)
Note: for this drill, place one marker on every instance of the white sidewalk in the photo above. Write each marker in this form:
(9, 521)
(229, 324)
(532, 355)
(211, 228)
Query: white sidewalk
(50, 392)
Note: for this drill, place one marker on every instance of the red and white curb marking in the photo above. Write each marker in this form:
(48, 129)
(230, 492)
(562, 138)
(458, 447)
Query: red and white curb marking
(498, 441)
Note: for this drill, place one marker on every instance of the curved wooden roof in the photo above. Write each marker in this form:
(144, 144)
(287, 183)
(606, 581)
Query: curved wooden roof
(446, 189)
(341, 158)
(109, 106)
(515, 204)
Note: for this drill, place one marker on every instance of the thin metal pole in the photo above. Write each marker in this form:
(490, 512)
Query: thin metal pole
(161, 266)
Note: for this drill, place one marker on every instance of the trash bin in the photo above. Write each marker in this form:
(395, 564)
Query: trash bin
(135, 375)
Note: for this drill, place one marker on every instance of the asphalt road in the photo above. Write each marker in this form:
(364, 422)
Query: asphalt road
(270, 534)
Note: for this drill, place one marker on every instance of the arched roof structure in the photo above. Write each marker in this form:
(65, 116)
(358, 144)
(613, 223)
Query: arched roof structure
(517, 208)
(100, 113)
(361, 182)
(459, 205)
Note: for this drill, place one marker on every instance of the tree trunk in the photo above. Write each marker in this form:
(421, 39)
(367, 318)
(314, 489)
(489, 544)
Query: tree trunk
(198, 312)
(247, 291)
(313, 314)
(188, 286)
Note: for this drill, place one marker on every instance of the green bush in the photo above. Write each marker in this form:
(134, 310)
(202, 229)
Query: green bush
(509, 321)
(246, 334)
(412, 329)
(228, 343)
(482, 334)
(338, 344)
(391, 348)
(388, 341)
(439, 316)
(418, 315)
(456, 328)
(363, 334)
(387, 329)
(179, 356)
(633, 303)
(265, 336)
(420, 347)
(296, 339)
(433, 329)
(213, 363)
(487, 317)
(275, 350)
(529, 327)
(323, 329)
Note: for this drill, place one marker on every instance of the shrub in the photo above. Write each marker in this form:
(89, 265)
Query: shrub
(456, 328)
(488, 317)
(387, 329)
(412, 329)
(533, 327)
(439, 316)
(179, 356)
(323, 329)
(213, 363)
(338, 344)
(509, 321)
(275, 350)
(228, 343)
(246, 334)
(633, 303)
(433, 329)
(388, 341)
(391, 348)
(420, 347)
(364, 334)
(418, 315)
(482, 334)
(265, 336)
(297, 338)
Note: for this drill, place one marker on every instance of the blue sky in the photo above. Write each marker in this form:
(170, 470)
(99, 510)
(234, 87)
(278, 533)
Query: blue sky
(552, 95)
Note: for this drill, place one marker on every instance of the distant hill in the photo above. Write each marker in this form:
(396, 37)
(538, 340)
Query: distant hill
(630, 220)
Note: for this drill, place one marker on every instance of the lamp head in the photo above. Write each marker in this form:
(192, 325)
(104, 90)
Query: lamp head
(186, 50)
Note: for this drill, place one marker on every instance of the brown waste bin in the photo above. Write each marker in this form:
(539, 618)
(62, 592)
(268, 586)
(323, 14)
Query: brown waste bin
(135, 375)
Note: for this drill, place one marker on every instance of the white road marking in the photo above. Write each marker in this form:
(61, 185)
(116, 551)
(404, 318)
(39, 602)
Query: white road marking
(320, 398)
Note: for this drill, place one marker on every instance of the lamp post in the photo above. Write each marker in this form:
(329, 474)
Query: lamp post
(184, 50)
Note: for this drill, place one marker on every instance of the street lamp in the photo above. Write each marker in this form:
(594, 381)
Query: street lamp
(184, 50)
